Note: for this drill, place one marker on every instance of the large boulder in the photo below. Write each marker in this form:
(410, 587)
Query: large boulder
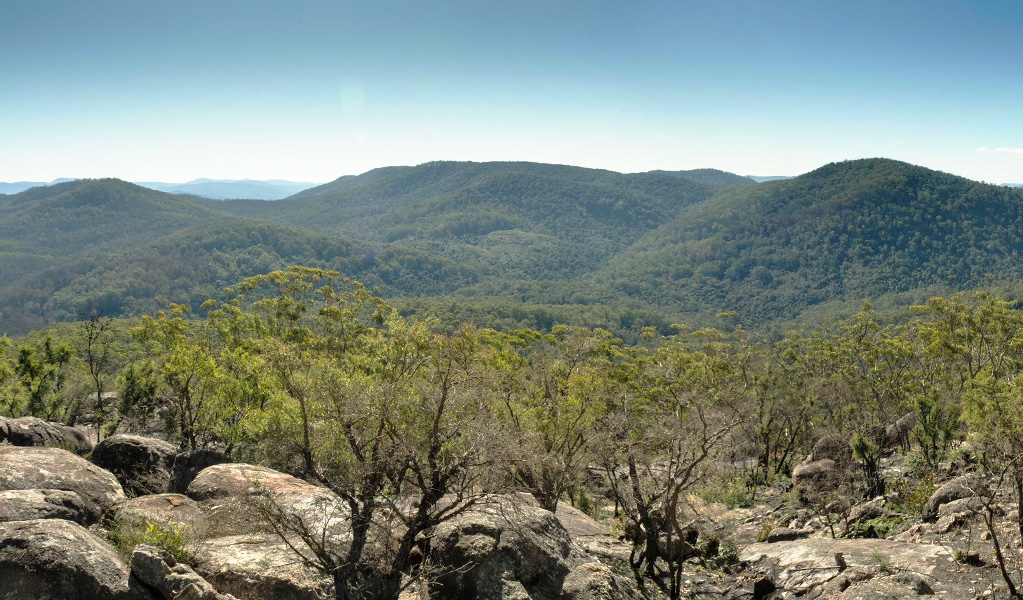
(965, 486)
(27, 505)
(595, 581)
(832, 447)
(168, 578)
(504, 547)
(24, 468)
(820, 473)
(32, 431)
(141, 464)
(174, 510)
(186, 465)
(249, 494)
(260, 566)
(53, 559)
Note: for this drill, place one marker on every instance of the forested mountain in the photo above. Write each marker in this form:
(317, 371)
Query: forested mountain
(527, 244)
(112, 246)
(846, 231)
(711, 176)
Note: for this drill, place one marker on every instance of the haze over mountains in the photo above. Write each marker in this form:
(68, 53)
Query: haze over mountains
(511, 244)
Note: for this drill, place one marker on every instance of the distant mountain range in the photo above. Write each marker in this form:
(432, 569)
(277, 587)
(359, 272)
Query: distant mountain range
(214, 189)
(227, 189)
(509, 244)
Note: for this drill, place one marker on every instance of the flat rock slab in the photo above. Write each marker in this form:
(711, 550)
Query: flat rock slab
(804, 564)
(29, 468)
(166, 509)
(53, 559)
(27, 505)
(256, 567)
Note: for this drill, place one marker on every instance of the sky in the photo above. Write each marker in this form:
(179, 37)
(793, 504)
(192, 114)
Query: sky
(310, 90)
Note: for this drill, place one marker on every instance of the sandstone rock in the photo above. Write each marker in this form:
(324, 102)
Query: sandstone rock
(817, 472)
(784, 534)
(52, 468)
(592, 536)
(802, 565)
(186, 465)
(27, 505)
(53, 559)
(166, 509)
(954, 489)
(499, 541)
(170, 579)
(831, 447)
(865, 512)
(256, 567)
(964, 506)
(141, 464)
(594, 581)
(31, 431)
(234, 490)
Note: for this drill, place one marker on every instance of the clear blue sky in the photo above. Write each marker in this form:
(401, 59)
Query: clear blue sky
(313, 89)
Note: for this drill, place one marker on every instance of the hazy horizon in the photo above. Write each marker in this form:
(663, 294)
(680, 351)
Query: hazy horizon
(318, 90)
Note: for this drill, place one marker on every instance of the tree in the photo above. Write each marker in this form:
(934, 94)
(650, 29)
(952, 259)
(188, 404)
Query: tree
(386, 414)
(96, 330)
(550, 411)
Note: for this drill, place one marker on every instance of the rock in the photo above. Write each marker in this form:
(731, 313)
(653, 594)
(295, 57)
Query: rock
(52, 468)
(141, 464)
(964, 486)
(865, 512)
(590, 535)
(186, 465)
(54, 559)
(236, 491)
(170, 579)
(784, 534)
(594, 581)
(31, 431)
(831, 447)
(802, 565)
(817, 472)
(504, 539)
(166, 509)
(965, 506)
(256, 567)
(27, 505)
(897, 434)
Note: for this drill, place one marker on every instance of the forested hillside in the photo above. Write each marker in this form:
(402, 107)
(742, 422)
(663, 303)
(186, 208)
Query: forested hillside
(846, 231)
(526, 244)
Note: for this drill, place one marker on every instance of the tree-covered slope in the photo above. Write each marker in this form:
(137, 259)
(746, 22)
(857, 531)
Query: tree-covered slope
(857, 229)
(711, 176)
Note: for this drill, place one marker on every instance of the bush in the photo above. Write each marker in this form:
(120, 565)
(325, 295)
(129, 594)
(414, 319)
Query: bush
(125, 534)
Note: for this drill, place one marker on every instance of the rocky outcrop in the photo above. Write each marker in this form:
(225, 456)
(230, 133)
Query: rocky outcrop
(258, 566)
(821, 472)
(595, 581)
(504, 548)
(831, 447)
(24, 468)
(27, 505)
(54, 559)
(168, 579)
(966, 486)
(172, 510)
(141, 464)
(852, 568)
(31, 431)
(238, 491)
(186, 465)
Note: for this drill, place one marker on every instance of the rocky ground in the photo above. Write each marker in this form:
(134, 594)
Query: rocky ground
(72, 528)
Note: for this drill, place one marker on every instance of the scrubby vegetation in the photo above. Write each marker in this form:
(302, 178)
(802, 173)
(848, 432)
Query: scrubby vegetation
(312, 374)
